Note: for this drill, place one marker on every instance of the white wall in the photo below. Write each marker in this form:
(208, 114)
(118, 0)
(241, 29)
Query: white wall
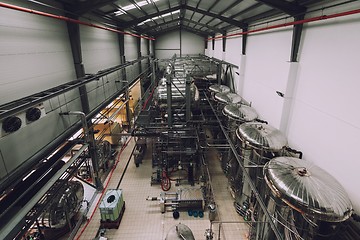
(131, 49)
(23, 38)
(100, 49)
(218, 51)
(319, 113)
(266, 71)
(191, 43)
(325, 118)
(35, 55)
(169, 44)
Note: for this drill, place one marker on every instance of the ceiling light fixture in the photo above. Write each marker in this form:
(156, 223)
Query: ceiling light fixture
(124, 9)
(157, 17)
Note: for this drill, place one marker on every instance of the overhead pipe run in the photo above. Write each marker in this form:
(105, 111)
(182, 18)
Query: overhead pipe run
(66, 19)
(313, 19)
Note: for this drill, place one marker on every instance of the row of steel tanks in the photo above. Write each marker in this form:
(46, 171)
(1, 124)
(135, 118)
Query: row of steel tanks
(302, 199)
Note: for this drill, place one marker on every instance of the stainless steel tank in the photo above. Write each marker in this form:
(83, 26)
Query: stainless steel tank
(235, 115)
(178, 94)
(216, 88)
(180, 232)
(64, 206)
(257, 143)
(316, 202)
(223, 99)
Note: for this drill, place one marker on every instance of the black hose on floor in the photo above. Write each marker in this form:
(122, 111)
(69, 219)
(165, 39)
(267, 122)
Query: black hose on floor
(127, 164)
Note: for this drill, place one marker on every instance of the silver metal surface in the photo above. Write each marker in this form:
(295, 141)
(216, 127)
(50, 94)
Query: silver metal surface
(240, 112)
(216, 88)
(228, 98)
(64, 207)
(308, 189)
(6, 229)
(261, 135)
(181, 232)
(178, 94)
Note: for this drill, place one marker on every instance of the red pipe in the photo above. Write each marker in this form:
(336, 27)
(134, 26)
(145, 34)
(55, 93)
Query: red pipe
(66, 19)
(313, 19)
(147, 100)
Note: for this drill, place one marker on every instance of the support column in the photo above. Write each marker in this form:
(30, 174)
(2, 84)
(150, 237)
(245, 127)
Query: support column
(244, 41)
(74, 37)
(218, 72)
(288, 97)
(292, 77)
(224, 42)
(188, 97)
(127, 106)
(153, 71)
(213, 42)
(169, 96)
(140, 67)
(180, 41)
(122, 59)
(296, 39)
(75, 43)
(123, 80)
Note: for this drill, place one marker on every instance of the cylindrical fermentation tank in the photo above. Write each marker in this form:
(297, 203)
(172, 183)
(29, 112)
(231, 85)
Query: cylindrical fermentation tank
(235, 115)
(216, 88)
(178, 94)
(306, 201)
(180, 232)
(223, 99)
(257, 143)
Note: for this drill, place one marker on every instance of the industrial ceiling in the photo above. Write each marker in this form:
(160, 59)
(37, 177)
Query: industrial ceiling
(202, 17)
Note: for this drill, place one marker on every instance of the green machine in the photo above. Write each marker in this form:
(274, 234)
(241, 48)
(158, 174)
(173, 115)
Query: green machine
(111, 206)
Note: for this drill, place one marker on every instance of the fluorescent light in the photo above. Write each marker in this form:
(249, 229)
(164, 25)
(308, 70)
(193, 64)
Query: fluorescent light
(161, 16)
(124, 9)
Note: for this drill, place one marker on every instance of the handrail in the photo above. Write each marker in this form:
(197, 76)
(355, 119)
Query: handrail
(19, 105)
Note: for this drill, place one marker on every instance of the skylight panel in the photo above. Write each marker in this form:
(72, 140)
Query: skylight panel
(161, 16)
(123, 9)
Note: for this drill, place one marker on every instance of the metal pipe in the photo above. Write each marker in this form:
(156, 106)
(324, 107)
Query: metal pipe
(247, 176)
(66, 19)
(92, 146)
(30, 162)
(83, 122)
(116, 112)
(313, 19)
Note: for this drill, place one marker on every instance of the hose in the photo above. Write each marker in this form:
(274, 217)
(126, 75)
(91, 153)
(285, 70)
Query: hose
(165, 182)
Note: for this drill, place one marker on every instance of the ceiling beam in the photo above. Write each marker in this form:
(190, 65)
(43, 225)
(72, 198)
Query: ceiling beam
(251, 8)
(263, 15)
(197, 6)
(157, 9)
(216, 30)
(243, 11)
(222, 18)
(141, 19)
(89, 6)
(225, 10)
(185, 28)
(148, 29)
(290, 8)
